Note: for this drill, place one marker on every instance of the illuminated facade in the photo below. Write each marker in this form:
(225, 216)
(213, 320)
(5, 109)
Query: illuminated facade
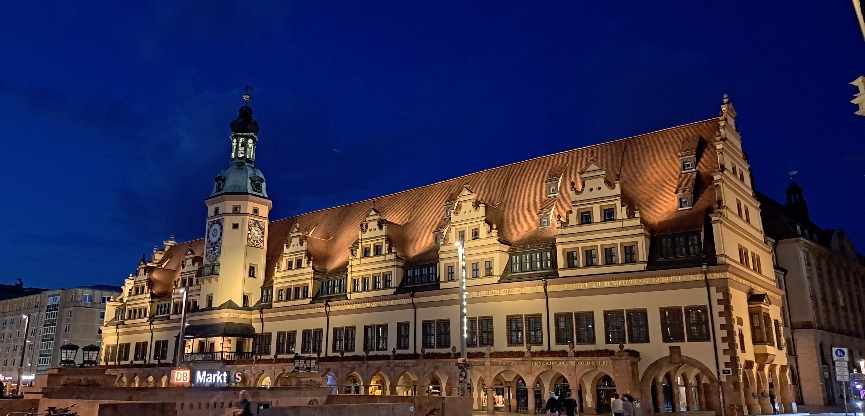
(638, 265)
(822, 276)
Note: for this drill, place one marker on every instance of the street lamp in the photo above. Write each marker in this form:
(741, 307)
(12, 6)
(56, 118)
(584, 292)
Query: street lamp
(26, 317)
(68, 353)
(463, 361)
(89, 354)
(181, 343)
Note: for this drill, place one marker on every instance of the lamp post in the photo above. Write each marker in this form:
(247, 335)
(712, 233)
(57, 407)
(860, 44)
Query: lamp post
(181, 344)
(326, 325)
(463, 361)
(26, 317)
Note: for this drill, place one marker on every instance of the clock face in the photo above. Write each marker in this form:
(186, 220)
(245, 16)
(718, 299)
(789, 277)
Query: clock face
(214, 232)
(255, 234)
(214, 241)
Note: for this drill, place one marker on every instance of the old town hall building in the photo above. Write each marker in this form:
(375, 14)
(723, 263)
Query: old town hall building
(635, 266)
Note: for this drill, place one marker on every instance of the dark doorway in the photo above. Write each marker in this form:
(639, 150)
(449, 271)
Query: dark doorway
(667, 388)
(604, 393)
(522, 397)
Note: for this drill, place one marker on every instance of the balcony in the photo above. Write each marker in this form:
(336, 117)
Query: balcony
(208, 270)
(217, 356)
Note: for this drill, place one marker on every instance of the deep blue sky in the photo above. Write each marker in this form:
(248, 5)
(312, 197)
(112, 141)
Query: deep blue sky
(114, 117)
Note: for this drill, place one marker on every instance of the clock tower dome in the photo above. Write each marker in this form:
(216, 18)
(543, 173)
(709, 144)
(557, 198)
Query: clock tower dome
(237, 224)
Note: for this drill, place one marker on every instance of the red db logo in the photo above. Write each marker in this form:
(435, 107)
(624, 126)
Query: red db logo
(181, 377)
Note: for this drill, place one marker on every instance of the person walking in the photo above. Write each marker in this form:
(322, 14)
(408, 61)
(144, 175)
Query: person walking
(616, 405)
(553, 405)
(570, 405)
(627, 405)
(241, 408)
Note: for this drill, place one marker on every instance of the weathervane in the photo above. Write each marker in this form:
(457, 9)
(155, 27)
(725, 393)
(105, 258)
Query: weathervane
(246, 96)
(792, 174)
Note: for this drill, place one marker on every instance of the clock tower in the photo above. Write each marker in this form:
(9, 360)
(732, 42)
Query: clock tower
(237, 224)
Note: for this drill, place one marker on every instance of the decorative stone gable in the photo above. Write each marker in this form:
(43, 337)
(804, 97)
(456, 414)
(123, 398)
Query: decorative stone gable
(600, 236)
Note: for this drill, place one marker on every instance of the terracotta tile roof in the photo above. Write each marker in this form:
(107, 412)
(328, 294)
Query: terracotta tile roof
(647, 166)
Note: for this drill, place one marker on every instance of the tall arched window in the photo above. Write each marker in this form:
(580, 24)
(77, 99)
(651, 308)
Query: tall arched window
(233, 148)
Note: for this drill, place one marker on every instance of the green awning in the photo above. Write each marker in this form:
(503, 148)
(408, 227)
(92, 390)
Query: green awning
(229, 329)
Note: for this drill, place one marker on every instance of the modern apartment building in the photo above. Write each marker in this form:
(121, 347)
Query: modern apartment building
(33, 327)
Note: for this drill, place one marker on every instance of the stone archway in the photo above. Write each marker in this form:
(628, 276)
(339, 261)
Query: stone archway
(603, 388)
(406, 384)
(749, 391)
(652, 381)
(136, 381)
(378, 385)
(263, 380)
(163, 382)
(353, 384)
(151, 382)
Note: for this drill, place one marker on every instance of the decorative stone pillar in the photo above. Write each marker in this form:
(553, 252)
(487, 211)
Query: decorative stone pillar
(689, 395)
(531, 399)
(659, 395)
(491, 398)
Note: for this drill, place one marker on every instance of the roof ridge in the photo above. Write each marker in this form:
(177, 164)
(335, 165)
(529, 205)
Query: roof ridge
(499, 167)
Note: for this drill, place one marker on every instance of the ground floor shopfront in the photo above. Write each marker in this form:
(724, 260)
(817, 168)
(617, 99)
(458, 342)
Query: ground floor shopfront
(499, 383)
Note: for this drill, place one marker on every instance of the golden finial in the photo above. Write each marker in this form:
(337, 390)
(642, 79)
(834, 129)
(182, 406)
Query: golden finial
(246, 96)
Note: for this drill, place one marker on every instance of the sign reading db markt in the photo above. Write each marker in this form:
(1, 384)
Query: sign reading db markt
(187, 377)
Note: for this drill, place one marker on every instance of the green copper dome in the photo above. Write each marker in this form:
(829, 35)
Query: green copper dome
(240, 179)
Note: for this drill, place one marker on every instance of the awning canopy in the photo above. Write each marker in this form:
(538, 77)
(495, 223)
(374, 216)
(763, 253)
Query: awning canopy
(228, 329)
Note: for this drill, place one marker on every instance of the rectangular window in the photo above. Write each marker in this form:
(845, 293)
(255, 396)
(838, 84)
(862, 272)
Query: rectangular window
(534, 330)
(472, 332)
(388, 280)
(779, 334)
(591, 257)
(280, 342)
(485, 331)
(280, 294)
(585, 217)
(366, 252)
(443, 333)
(366, 283)
(403, 335)
(304, 291)
(476, 269)
(630, 254)
(638, 326)
(261, 344)
(609, 255)
(338, 334)
(355, 285)
(298, 264)
(767, 324)
(123, 352)
(515, 330)
(306, 341)
(428, 334)
(757, 334)
(564, 328)
(450, 273)
(572, 259)
(369, 338)
(251, 270)
(160, 350)
(381, 337)
(476, 233)
(245, 301)
(585, 327)
(376, 281)
(317, 336)
(140, 351)
(461, 235)
(488, 268)
(697, 321)
(614, 326)
(87, 298)
(609, 214)
(672, 325)
(377, 249)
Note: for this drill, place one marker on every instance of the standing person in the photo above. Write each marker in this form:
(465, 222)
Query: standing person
(552, 405)
(241, 408)
(772, 402)
(616, 405)
(627, 405)
(570, 405)
(637, 410)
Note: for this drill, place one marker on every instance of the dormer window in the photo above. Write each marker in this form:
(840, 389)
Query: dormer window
(366, 251)
(685, 202)
(552, 189)
(585, 217)
(215, 210)
(688, 164)
(476, 233)
(544, 221)
(609, 214)
(377, 249)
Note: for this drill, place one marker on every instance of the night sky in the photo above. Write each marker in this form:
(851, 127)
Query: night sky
(114, 117)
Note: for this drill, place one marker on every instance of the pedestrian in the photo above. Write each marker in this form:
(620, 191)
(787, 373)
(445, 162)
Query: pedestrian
(627, 405)
(241, 408)
(772, 402)
(637, 410)
(553, 405)
(570, 405)
(616, 405)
